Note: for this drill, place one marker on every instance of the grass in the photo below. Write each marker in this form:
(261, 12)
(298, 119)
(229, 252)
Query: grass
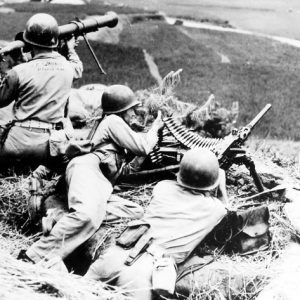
(20, 279)
(64, 13)
(231, 279)
(99, 8)
(243, 276)
(14, 196)
(260, 70)
(282, 152)
(11, 240)
(123, 65)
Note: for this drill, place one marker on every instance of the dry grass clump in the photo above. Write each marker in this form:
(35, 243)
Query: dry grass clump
(152, 101)
(11, 241)
(230, 278)
(27, 281)
(209, 119)
(13, 205)
(140, 194)
(163, 98)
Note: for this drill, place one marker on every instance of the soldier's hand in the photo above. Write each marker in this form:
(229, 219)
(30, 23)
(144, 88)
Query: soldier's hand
(158, 122)
(72, 43)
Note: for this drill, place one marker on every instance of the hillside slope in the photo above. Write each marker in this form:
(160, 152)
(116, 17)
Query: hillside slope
(235, 67)
(259, 71)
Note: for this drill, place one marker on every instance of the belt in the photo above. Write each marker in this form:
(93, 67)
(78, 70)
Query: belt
(39, 125)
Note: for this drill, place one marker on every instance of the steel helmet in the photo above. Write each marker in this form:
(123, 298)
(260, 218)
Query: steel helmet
(199, 170)
(42, 31)
(118, 98)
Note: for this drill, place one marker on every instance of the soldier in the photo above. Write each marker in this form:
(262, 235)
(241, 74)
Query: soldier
(180, 215)
(90, 177)
(40, 89)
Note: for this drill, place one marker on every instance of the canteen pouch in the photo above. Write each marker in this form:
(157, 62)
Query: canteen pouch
(164, 276)
(57, 142)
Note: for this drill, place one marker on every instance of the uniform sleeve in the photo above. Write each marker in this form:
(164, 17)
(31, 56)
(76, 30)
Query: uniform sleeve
(125, 137)
(8, 88)
(76, 63)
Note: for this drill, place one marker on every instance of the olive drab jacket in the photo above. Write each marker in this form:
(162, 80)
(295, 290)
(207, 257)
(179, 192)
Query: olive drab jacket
(40, 87)
(180, 218)
(112, 137)
(39, 90)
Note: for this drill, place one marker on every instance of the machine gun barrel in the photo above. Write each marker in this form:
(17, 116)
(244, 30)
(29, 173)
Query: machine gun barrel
(76, 28)
(245, 131)
(259, 116)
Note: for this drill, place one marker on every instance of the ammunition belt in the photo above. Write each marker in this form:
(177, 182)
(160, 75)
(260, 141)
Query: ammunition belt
(187, 138)
(183, 139)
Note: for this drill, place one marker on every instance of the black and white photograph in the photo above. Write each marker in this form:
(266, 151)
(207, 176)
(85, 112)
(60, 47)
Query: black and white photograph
(149, 149)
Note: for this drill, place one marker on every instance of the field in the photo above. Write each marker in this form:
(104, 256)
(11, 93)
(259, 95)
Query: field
(257, 71)
(251, 70)
(274, 17)
(238, 277)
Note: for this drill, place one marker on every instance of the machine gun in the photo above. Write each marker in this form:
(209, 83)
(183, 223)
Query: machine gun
(233, 153)
(76, 28)
(237, 138)
(175, 140)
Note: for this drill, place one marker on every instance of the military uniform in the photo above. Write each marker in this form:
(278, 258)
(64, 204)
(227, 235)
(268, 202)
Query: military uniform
(89, 179)
(180, 218)
(41, 89)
